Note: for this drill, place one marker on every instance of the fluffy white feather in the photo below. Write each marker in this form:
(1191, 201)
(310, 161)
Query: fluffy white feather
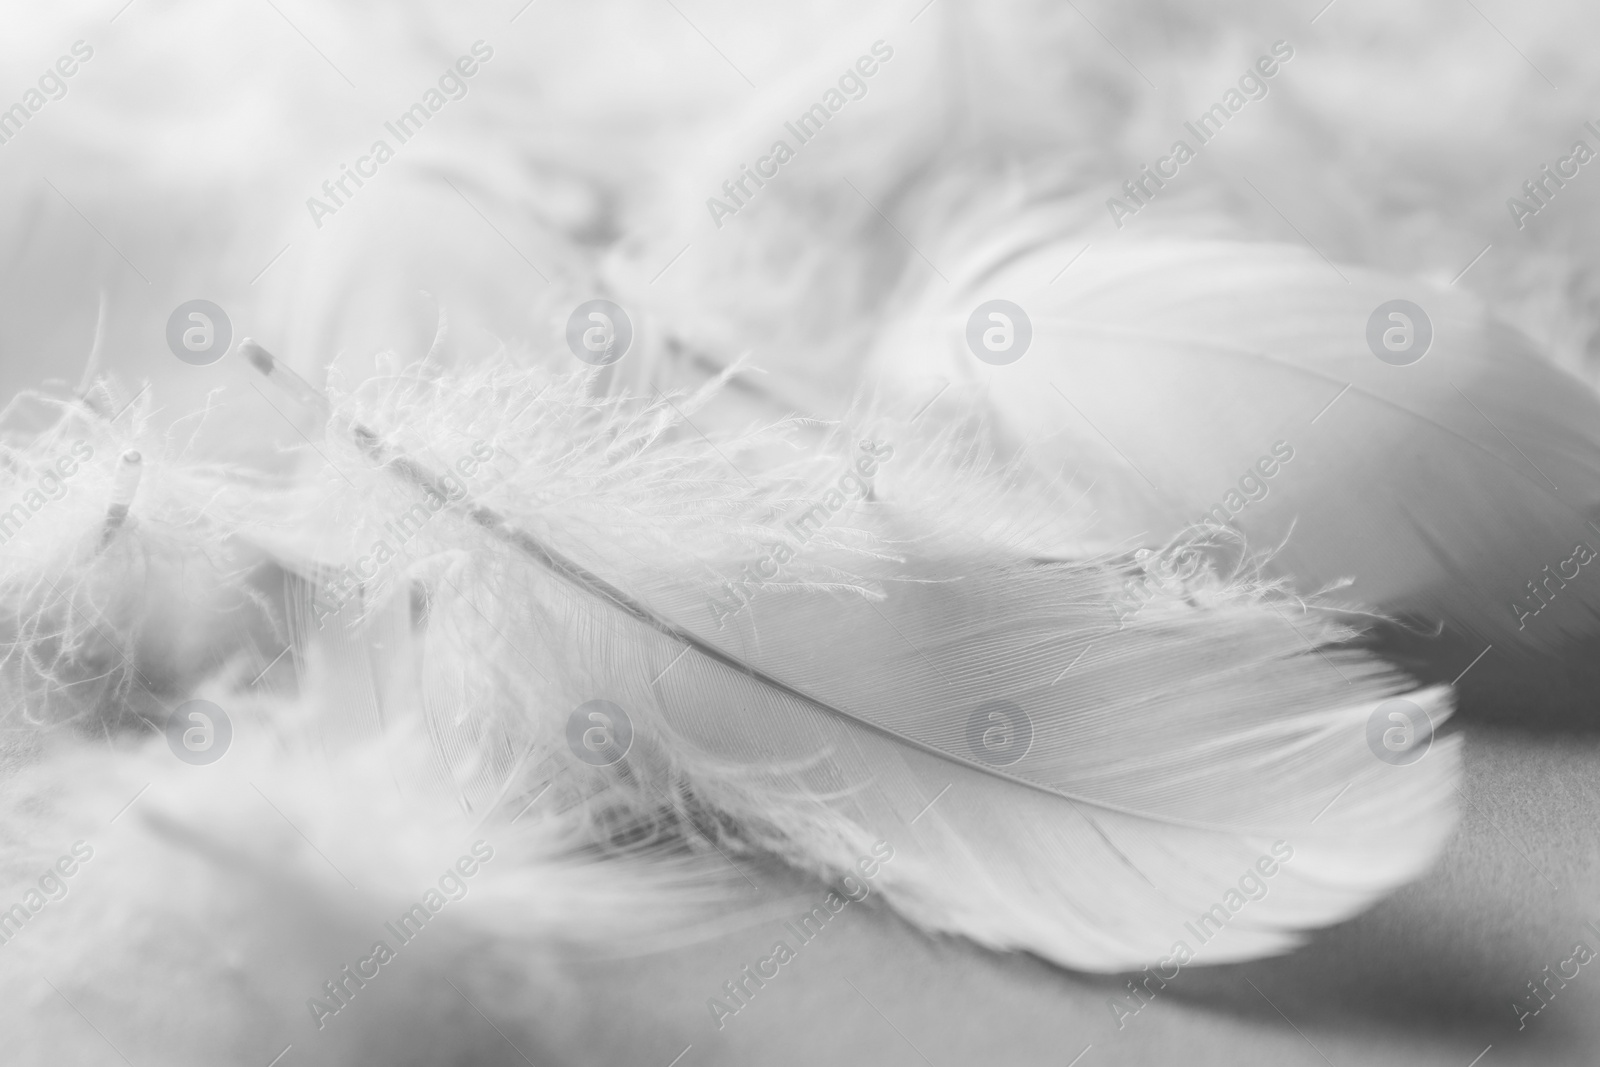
(1175, 732)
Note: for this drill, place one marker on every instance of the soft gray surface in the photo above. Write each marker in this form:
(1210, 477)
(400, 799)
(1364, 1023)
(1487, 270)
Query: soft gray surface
(1426, 977)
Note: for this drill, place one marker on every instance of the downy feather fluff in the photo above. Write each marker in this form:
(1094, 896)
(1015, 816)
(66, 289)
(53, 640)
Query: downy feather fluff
(1185, 714)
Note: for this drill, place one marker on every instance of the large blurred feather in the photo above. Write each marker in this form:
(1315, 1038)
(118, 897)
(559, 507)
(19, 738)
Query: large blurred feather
(1450, 489)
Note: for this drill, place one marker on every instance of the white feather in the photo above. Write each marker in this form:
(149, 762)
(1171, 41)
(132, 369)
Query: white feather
(1441, 490)
(1171, 747)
